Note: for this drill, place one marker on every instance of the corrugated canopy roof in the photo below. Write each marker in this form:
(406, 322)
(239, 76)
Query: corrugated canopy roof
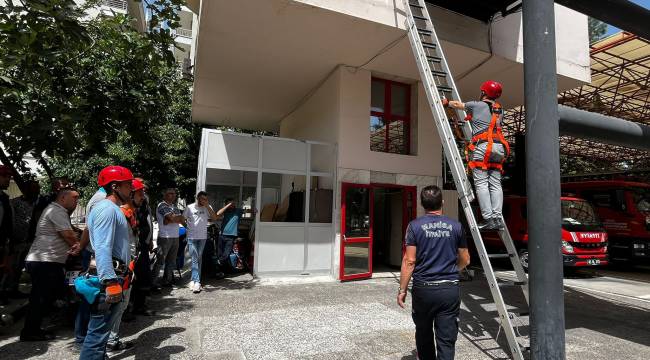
(620, 77)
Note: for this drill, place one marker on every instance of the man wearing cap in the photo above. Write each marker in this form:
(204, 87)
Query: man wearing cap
(109, 237)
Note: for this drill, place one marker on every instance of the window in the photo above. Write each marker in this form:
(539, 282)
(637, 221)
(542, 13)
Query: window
(390, 109)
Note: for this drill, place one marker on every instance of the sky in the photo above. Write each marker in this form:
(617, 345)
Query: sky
(612, 30)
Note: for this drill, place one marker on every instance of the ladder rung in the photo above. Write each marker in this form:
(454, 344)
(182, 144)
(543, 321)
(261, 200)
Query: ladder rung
(444, 88)
(425, 32)
(429, 45)
(434, 58)
(512, 283)
(418, 6)
(498, 256)
(438, 73)
(521, 313)
(420, 17)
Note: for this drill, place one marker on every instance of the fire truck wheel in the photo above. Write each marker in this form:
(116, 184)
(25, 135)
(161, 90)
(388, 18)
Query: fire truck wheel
(523, 257)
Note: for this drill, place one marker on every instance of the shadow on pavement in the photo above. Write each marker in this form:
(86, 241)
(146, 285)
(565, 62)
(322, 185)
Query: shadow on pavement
(147, 345)
(235, 282)
(24, 350)
(479, 321)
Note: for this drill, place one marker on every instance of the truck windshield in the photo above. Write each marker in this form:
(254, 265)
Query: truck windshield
(641, 197)
(579, 215)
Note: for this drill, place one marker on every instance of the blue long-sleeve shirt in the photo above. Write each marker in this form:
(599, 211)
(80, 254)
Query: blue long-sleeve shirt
(109, 237)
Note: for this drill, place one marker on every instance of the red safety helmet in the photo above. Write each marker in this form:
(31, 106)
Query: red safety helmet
(113, 173)
(137, 184)
(491, 89)
(5, 170)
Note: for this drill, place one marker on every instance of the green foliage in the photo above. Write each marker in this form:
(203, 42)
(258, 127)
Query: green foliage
(597, 29)
(89, 93)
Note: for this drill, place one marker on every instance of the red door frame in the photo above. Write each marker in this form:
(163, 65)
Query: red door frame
(405, 221)
(344, 240)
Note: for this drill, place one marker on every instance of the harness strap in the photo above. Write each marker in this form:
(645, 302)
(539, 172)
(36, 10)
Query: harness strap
(493, 131)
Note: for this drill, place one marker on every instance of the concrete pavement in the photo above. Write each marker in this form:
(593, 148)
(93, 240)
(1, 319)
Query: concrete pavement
(244, 318)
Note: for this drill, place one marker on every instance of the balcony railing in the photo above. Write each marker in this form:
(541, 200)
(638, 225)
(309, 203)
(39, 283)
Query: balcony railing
(115, 4)
(184, 32)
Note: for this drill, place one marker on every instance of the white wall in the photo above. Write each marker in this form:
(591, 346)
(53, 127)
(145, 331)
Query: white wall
(571, 37)
(354, 132)
(317, 118)
(571, 31)
(387, 12)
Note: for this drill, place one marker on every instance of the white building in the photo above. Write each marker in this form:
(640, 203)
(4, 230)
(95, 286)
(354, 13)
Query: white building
(185, 39)
(336, 79)
(133, 8)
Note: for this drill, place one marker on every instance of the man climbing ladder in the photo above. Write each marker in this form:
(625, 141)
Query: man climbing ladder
(487, 151)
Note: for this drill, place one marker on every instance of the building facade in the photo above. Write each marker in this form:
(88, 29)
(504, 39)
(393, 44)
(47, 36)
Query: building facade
(337, 81)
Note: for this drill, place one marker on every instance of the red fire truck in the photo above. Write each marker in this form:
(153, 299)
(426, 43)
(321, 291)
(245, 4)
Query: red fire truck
(624, 207)
(584, 241)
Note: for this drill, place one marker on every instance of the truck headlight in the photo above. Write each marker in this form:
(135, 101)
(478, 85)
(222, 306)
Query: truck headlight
(567, 247)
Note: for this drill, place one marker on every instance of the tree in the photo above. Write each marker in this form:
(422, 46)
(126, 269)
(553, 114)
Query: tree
(81, 94)
(597, 29)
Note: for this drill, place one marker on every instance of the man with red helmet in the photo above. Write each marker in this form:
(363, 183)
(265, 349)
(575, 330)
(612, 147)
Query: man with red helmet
(109, 237)
(489, 150)
(129, 210)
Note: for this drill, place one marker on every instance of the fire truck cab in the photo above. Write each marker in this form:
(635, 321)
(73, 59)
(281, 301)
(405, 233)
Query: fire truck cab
(624, 207)
(584, 241)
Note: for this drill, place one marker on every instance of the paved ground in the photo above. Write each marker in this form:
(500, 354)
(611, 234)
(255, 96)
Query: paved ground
(242, 318)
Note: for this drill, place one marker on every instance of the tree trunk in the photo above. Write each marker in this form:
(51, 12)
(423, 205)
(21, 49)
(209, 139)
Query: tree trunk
(48, 170)
(18, 178)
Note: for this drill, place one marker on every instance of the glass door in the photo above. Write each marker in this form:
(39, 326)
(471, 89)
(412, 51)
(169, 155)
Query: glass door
(356, 231)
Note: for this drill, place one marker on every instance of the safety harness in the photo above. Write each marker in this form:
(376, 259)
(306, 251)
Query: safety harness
(492, 134)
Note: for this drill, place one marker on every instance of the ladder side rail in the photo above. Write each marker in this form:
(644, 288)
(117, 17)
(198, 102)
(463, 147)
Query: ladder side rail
(467, 127)
(506, 322)
(444, 130)
(467, 131)
(514, 259)
(459, 174)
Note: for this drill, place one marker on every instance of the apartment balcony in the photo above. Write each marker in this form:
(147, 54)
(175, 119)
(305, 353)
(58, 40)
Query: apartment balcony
(187, 33)
(120, 6)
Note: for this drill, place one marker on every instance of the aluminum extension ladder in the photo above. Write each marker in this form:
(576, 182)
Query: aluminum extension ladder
(439, 84)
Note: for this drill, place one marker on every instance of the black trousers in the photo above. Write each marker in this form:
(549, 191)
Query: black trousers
(47, 279)
(142, 279)
(436, 307)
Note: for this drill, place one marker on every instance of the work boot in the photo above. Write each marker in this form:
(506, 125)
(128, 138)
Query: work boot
(496, 223)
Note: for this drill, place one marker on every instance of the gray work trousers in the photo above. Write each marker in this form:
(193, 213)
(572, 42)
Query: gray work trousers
(166, 256)
(488, 182)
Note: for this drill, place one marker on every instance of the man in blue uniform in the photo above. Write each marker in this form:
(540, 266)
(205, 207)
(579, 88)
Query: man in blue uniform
(436, 250)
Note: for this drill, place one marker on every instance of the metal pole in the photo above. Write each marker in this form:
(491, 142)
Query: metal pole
(543, 182)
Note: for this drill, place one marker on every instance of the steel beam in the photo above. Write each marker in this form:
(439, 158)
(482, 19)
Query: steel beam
(547, 337)
(602, 128)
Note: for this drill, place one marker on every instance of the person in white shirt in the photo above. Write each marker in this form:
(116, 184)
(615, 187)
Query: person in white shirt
(168, 217)
(197, 215)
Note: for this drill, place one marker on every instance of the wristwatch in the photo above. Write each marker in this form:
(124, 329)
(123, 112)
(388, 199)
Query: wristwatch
(400, 291)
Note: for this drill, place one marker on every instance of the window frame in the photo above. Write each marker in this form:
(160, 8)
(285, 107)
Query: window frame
(389, 117)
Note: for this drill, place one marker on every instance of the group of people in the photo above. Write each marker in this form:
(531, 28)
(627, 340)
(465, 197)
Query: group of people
(116, 249)
(117, 241)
